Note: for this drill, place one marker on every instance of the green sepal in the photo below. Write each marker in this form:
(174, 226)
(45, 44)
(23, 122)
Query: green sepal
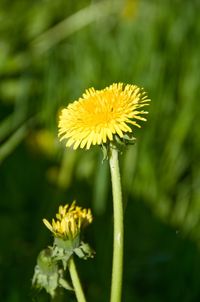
(62, 255)
(84, 251)
(47, 273)
(63, 249)
(105, 151)
(65, 284)
(118, 143)
(127, 139)
(46, 262)
(48, 282)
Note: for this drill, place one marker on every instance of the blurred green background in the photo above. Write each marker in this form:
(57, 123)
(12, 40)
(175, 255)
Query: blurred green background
(50, 52)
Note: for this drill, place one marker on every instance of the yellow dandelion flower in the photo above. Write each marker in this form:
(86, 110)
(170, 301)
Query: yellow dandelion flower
(99, 115)
(70, 221)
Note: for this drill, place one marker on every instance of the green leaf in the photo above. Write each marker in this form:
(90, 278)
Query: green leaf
(84, 251)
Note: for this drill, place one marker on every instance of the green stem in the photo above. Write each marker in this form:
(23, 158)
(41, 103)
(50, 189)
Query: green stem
(117, 268)
(76, 281)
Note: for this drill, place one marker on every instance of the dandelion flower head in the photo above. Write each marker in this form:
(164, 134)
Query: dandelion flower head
(70, 221)
(99, 115)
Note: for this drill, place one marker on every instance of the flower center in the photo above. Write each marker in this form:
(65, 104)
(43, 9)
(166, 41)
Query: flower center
(101, 110)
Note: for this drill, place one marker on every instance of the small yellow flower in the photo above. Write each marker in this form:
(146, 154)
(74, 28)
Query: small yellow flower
(99, 115)
(70, 221)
